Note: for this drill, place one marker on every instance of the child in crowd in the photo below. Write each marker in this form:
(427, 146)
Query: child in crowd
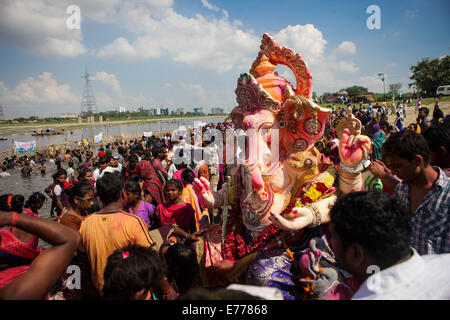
(136, 273)
(183, 267)
(135, 205)
(174, 210)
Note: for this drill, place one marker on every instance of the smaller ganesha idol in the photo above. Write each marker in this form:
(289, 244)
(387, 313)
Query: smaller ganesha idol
(276, 206)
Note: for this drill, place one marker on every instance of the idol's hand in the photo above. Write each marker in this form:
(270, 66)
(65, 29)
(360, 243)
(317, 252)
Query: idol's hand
(297, 219)
(353, 149)
(203, 191)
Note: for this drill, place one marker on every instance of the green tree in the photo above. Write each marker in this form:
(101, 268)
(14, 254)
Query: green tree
(428, 74)
(355, 90)
(395, 88)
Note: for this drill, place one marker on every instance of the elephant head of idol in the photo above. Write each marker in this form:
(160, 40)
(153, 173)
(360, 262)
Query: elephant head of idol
(268, 102)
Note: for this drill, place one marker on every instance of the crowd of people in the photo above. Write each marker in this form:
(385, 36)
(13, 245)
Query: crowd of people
(126, 215)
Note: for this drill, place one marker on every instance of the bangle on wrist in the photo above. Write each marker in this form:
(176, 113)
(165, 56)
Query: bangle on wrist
(14, 218)
(316, 216)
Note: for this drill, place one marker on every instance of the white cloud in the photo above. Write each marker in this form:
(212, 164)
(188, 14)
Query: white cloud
(209, 5)
(306, 40)
(213, 44)
(40, 90)
(119, 48)
(347, 67)
(195, 88)
(109, 80)
(345, 48)
(39, 27)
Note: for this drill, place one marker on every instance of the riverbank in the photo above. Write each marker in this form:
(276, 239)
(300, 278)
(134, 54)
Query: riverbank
(30, 127)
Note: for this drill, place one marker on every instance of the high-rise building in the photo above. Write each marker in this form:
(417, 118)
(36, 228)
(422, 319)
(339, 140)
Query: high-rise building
(217, 111)
(198, 110)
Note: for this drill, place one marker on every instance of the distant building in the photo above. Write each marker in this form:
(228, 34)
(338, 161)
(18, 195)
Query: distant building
(157, 111)
(217, 111)
(179, 111)
(198, 110)
(69, 115)
(164, 111)
(122, 109)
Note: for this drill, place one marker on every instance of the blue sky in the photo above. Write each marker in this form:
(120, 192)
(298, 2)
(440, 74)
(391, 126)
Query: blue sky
(189, 53)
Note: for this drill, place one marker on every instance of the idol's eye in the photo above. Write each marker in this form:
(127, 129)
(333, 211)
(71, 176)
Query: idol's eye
(282, 124)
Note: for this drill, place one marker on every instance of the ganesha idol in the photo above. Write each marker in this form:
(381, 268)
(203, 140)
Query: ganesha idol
(276, 212)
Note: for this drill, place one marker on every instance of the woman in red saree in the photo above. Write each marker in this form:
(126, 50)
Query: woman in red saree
(174, 210)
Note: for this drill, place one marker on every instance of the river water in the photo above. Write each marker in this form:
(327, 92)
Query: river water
(25, 186)
(108, 129)
(17, 184)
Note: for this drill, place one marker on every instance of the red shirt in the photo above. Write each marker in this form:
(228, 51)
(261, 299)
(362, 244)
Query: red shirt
(101, 154)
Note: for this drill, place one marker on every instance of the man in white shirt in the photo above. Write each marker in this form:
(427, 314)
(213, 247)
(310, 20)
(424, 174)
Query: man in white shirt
(103, 163)
(371, 235)
(4, 173)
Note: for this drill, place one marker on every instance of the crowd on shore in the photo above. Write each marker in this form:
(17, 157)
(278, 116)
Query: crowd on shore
(129, 218)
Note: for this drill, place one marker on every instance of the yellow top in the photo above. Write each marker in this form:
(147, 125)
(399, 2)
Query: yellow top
(102, 234)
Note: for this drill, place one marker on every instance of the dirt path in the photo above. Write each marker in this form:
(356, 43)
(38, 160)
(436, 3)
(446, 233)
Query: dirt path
(411, 116)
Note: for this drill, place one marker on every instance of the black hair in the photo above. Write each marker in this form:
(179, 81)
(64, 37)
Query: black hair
(156, 150)
(109, 187)
(104, 159)
(384, 124)
(406, 144)
(130, 270)
(59, 173)
(438, 135)
(70, 164)
(132, 162)
(83, 172)
(174, 182)
(133, 187)
(78, 190)
(377, 221)
(182, 264)
(425, 110)
(35, 198)
(188, 175)
(12, 202)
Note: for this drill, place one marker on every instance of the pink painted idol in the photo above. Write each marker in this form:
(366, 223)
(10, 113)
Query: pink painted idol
(276, 206)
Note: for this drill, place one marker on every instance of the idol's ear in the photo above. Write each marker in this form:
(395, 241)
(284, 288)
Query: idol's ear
(237, 116)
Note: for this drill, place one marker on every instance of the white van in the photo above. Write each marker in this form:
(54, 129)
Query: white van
(443, 90)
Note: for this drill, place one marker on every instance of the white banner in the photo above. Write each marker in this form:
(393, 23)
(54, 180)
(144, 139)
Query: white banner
(98, 138)
(25, 146)
(148, 134)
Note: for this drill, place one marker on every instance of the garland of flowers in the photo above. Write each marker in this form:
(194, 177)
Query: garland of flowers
(323, 186)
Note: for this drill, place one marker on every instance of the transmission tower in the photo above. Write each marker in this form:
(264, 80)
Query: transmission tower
(2, 114)
(88, 104)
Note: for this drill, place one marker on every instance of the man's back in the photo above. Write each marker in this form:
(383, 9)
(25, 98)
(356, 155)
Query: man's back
(418, 278)
(103, 233)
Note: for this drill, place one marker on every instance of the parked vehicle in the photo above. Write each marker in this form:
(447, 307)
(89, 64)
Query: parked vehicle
(443, 90)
